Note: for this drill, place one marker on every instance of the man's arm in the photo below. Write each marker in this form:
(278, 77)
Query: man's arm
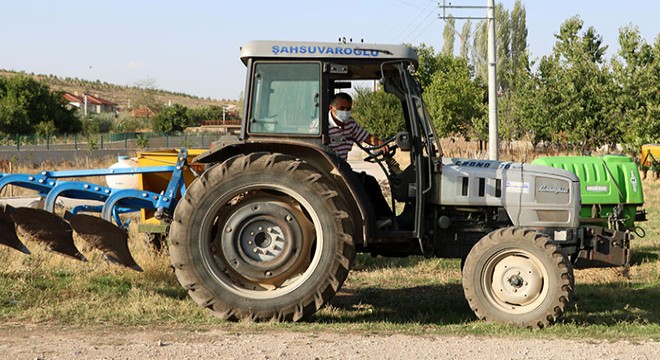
(371, 139)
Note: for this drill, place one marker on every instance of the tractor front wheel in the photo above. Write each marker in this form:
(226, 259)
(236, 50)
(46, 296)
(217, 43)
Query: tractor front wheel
(519, 277)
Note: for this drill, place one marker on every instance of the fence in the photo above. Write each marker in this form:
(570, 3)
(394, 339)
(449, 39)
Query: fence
(111, 141)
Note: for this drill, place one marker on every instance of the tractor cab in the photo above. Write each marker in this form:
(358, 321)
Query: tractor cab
(289, 87)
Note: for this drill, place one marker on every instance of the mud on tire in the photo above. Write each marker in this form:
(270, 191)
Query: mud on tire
(519, 277)
(262, 237)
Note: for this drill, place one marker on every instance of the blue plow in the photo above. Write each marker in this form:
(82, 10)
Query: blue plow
(105, 230)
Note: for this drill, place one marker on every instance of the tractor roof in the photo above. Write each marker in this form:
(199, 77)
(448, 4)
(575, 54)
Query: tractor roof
(303, 50)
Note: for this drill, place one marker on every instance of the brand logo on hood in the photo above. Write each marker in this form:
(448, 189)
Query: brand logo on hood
(553, 189)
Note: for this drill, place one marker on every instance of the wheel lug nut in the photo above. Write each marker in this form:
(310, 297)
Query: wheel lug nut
(269, 273)
(251, 233)
(228, 229)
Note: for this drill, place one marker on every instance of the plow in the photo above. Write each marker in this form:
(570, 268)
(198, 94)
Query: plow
(97, 219)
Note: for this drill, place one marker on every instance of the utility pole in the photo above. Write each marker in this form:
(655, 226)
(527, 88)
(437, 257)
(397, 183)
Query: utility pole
(493, 141)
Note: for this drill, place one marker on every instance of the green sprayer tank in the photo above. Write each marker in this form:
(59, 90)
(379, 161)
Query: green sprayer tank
(606, 182)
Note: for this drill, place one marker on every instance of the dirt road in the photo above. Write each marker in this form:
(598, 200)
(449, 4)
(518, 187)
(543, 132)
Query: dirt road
(46, 342)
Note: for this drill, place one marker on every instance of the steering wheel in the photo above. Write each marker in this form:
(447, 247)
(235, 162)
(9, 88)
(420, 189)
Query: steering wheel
(377, 153)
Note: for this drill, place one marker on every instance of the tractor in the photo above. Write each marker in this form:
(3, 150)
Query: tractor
(270, 227)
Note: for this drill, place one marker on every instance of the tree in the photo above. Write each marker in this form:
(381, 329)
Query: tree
(454, 100)
(513, 72)
(25, 103)
(201, 113)
(378, 112)
(98, 123)
(519, 53)
(636, 72)
(465, 38)
(147, 96)
(511, 44)
(428, 64)
(172, 118)
(45, 128)
(448, 36)
(571, 98)
(480, 53)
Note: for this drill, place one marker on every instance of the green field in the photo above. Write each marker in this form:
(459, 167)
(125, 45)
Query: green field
(410, 295)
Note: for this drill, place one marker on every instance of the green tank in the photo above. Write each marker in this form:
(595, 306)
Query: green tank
(610, 185)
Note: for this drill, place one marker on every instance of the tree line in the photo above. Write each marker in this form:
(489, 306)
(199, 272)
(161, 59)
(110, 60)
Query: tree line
(28, 106)
(573, 96)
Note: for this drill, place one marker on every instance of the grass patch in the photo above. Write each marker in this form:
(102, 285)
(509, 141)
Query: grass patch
(382, 295)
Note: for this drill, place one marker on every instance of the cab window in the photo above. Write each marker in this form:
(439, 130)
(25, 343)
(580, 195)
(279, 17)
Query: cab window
(285, 98)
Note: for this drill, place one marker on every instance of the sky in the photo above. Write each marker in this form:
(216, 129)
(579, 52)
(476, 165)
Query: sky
(193, 46)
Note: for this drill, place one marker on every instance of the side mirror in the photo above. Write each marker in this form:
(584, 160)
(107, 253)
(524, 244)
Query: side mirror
(403, 141)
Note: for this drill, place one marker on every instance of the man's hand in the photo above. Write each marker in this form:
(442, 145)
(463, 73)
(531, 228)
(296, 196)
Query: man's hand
(384, 150)
(375, 141)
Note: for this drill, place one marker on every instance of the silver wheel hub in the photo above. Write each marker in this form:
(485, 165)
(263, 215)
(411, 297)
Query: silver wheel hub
(517, 280)
(262, 240)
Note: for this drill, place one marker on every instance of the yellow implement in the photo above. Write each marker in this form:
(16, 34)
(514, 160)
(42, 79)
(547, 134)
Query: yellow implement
(650, 155)
(151, 224)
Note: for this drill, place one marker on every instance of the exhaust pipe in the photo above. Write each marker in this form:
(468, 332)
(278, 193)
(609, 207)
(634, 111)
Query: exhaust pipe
(8, 235)
(104, 236)
(47, 228)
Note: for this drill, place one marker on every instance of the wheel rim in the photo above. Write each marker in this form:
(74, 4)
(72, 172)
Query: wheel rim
(261, 243)
(515, 281)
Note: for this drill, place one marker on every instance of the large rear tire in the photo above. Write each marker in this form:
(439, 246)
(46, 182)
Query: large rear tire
(519, 277)
(262, 237)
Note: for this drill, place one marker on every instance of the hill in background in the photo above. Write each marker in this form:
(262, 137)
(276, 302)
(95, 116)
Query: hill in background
(126, 97)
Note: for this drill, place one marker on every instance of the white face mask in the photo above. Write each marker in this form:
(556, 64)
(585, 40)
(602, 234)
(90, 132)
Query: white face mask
(343, 115)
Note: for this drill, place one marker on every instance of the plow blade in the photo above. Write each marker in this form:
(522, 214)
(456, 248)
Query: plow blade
(8, 230)
(47, 228)
(105, 236)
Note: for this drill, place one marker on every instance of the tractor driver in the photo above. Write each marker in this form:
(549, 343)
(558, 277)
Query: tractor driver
(342, 131)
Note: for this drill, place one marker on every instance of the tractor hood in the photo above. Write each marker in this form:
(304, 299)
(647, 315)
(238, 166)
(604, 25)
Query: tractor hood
(533, 195)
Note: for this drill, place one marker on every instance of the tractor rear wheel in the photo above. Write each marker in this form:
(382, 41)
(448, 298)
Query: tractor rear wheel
(262, 237)
(519, 277)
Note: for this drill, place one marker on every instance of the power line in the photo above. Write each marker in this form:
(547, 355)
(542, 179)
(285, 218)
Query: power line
(393, 14)
(419, 24)
(412, 5)
(423, 31)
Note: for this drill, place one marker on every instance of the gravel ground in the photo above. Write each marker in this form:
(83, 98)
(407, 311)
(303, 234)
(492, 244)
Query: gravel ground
(45, 342)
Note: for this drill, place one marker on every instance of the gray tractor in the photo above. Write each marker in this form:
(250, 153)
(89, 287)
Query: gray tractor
(270, 230)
